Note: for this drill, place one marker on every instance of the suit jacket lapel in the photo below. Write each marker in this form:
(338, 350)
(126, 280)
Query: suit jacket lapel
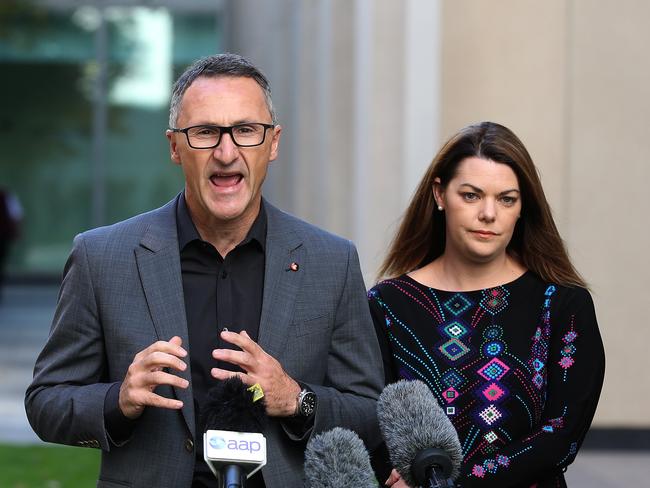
(158, 262)
(281, 282)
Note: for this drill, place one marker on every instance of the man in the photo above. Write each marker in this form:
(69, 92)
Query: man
(138, 336)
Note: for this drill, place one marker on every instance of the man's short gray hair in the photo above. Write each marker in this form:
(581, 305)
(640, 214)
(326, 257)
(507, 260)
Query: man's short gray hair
(226, 64)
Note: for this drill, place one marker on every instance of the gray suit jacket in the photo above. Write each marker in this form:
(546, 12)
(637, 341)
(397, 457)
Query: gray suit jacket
(122, 291)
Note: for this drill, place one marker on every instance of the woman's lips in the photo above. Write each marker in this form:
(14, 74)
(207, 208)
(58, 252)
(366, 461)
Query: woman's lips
(485, 234)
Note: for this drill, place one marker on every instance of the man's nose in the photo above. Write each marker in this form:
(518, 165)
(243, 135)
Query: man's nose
(227, 151)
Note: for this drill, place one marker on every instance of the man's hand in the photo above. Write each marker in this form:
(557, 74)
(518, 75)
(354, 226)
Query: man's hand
(146, 372)
(280, 390)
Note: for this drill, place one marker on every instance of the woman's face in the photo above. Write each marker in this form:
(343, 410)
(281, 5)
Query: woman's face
(482, 203)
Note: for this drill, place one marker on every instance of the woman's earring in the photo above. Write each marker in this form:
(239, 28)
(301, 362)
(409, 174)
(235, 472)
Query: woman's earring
(440, 207)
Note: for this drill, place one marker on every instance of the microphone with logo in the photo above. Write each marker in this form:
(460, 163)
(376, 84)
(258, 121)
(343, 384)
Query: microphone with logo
(233, 419)
(422, 443)
(337, 458)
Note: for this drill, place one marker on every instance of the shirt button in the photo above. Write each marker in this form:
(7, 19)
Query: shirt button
(189, 445)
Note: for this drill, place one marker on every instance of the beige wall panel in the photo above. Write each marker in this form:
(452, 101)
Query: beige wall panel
(382, 176)
(504, 60)
(572, 79)
(609, 235)
(340, 131)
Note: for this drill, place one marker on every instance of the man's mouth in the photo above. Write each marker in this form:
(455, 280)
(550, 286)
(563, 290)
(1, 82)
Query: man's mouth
(223, 180)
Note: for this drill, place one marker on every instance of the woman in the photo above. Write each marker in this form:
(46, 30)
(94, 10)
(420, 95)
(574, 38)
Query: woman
(485, 306)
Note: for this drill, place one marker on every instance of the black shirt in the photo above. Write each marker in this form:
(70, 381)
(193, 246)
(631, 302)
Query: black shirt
(219, 293)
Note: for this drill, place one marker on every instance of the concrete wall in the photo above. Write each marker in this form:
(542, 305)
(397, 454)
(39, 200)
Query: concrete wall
(367, 90)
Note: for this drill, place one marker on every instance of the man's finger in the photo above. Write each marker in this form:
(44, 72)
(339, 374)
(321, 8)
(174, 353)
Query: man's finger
(160, 360)
(170, 347)
(240, 340)
(152, 400)
(224, 374)
(239, 358)
(157, 378)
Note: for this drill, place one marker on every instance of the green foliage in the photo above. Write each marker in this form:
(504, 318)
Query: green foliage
(47, 466)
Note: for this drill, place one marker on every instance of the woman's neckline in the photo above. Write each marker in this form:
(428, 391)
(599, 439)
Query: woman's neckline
(508, 284)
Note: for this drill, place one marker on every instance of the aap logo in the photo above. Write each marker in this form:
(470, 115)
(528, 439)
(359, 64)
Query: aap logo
(217, 442)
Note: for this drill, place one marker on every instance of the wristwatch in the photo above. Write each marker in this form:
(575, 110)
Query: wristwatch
(305, 403)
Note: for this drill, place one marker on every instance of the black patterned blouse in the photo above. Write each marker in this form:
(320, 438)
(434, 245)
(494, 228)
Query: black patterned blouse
(518, 369)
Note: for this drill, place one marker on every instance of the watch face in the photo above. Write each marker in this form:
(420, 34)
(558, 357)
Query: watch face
(308, 403)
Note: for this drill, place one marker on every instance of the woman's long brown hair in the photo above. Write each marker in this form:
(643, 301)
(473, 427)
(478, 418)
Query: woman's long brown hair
(536, 242)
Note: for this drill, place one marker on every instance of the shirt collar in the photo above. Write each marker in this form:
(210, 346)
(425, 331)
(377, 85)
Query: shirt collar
(187, 230)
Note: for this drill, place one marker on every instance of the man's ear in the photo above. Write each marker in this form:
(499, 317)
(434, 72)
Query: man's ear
(173, 152)
(275, 142)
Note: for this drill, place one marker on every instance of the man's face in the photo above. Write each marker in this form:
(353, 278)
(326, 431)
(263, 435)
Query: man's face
(223, 184)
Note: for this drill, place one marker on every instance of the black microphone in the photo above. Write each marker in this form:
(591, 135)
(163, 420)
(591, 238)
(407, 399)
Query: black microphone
(422, 443)
(338, 458)
(233, 419)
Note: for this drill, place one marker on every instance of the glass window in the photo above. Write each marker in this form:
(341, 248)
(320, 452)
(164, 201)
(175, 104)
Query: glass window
(85, 97)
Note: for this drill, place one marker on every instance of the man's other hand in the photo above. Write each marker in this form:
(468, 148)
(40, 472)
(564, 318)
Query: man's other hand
(146, 372)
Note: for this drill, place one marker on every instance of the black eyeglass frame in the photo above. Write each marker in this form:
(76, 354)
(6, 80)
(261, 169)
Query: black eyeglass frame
(224, 130)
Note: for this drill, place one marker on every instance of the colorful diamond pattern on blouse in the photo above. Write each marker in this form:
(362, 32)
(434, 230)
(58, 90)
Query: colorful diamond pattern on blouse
(566, 362)
(570, 336)
(493, 348)
(568, 350)
(494, 300)
(490, 466)
(478, 471)
(503, 460)
(455, 329)
(453, 349)
(493, 392)
(538, 380)
(537, 364)
(490, 437)
(452, 377)
(494, 370)
(450, 394)
(457, 304)
(490, 414)
(493, 332)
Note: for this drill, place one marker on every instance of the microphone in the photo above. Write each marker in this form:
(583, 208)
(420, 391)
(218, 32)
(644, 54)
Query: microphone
(338, 458)
(233, 419)
(422, 443)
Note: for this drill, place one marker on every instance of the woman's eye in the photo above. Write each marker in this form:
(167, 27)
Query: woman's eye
(470, 196)
(509, 200)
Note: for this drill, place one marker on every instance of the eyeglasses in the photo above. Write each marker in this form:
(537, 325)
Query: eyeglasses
(209, 136)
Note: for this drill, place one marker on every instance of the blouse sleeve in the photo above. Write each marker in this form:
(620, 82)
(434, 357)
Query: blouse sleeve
(575, 369)
(379, 319)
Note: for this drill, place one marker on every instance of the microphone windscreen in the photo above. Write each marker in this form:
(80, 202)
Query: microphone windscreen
(411, 420)
(338, 458)
(230, 406)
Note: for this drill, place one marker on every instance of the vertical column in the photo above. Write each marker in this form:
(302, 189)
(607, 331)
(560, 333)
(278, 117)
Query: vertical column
(421, 123)
(362, 114)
